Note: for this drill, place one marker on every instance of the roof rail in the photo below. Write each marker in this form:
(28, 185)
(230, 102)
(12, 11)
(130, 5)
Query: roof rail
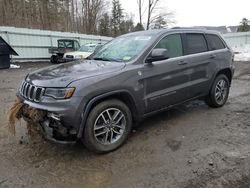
(187, 28)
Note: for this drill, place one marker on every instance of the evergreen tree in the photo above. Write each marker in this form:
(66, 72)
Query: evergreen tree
(104, 26)
(117, 16)
(126, 26)
(244, 27)
(139, 27)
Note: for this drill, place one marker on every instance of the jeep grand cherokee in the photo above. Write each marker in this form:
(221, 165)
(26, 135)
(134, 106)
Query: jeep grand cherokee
(133, 76)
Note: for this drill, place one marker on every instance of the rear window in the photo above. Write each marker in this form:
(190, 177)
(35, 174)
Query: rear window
(214, 42)
(196, 43)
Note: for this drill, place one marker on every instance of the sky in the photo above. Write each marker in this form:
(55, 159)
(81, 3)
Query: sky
(188, 13)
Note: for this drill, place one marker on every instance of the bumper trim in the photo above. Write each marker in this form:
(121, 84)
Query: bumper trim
(59, 141)
(47, 133)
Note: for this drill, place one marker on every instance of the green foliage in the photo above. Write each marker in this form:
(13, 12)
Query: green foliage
(117, 16)
(126, 26)
(119, 23)
(139, 27)
(244, 27)
(104, 27)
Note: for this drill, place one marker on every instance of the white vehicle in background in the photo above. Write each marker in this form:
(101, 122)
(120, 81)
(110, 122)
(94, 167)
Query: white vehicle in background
(83, 52)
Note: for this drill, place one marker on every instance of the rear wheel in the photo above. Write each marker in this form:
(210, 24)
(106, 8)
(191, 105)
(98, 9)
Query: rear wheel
(219, 92)
(108, 126)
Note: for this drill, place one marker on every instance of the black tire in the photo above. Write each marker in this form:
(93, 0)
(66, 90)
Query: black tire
(212, 99)
(96, 143)
(54, 59)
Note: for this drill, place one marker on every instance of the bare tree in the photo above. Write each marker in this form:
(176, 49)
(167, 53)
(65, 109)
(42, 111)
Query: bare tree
(162, 19)
(140, 2)
(83, 16)
(3, 16)
(91, 10)
(73, 15)
(151, 7)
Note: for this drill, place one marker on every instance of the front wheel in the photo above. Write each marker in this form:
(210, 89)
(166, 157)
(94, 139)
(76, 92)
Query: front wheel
(54, 59)
(219, 92)
(108, 126)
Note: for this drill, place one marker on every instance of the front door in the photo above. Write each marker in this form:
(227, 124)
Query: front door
(166, 81)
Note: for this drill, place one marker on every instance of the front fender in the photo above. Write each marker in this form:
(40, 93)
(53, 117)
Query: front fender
(90, 103)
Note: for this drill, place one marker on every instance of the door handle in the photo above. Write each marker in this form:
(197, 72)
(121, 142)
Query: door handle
(182, 62)
(213, 56)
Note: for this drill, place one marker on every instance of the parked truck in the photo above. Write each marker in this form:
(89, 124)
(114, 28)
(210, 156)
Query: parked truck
(63, 46)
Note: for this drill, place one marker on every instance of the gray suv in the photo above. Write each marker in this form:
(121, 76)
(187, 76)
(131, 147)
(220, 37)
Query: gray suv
(132, 77)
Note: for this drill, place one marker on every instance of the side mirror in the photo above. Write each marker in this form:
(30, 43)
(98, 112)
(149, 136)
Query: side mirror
(157, 54)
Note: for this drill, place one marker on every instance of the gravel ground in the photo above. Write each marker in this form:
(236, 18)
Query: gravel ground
(190, 146)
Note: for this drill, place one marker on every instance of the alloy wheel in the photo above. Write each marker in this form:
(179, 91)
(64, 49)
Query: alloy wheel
(109, 126)
(221, 91)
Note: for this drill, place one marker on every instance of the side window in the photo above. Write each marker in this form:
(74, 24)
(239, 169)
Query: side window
(214, 42)
(173, 44)
(61, 44)
(76, 45)
(196, 43)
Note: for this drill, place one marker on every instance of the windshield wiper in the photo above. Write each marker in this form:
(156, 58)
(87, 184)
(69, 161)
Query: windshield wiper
(101, 59)
(106, 59)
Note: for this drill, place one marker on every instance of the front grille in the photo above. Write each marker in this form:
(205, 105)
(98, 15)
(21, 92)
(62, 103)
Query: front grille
(70, 56)
(31, 92)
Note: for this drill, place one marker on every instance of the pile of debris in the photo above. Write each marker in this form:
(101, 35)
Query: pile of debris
(30, 115)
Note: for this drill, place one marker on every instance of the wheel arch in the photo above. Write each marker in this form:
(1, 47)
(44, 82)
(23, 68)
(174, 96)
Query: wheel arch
(227, 72)
(122, 95)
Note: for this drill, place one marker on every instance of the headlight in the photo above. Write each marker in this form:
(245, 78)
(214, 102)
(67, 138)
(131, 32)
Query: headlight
(78, 57)
(59, 93)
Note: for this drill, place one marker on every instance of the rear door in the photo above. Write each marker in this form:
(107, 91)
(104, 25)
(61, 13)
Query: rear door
(166, 81)
(199, 63)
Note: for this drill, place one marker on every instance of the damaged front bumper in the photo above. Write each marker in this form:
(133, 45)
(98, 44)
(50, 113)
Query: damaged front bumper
(53, 130)
(50, 123)
(49, 134)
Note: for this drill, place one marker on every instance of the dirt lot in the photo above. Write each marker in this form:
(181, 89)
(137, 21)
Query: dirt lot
(191, 146)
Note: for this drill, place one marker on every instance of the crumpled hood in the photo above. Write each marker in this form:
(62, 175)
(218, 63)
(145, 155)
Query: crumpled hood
(63, 74)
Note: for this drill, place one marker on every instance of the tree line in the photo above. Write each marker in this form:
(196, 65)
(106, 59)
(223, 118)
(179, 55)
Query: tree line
(102, 17)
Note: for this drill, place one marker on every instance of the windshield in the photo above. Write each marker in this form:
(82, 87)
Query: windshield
(122, 49)
(87, 48)
(65, 44)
